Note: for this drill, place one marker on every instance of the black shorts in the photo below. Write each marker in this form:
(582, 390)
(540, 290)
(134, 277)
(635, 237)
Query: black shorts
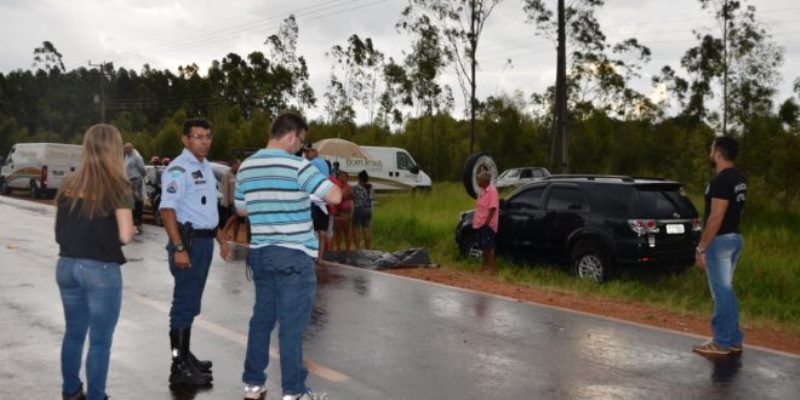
(362, 217)
(320, 219)
(486, 238)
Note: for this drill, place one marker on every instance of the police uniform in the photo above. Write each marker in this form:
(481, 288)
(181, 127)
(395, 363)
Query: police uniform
(189, 188)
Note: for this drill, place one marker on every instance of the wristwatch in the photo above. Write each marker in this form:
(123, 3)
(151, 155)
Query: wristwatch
(700, 250)
(179, 248)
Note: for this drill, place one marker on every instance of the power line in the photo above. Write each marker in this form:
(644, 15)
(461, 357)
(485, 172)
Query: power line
(236, 29)
(212, 38)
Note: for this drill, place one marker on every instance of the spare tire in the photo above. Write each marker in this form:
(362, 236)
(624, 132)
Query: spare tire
(477, 163)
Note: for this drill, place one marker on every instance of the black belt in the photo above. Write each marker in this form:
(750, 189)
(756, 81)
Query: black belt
(204, 233)
(187, 231)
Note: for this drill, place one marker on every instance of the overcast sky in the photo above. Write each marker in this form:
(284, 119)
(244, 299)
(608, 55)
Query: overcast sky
(166, 34)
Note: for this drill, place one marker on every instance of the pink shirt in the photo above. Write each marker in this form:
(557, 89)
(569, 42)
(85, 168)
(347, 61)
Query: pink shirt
(487, 200)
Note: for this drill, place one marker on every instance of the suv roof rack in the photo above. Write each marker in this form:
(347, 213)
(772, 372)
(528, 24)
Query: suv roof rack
(590, 177)
(649, 178)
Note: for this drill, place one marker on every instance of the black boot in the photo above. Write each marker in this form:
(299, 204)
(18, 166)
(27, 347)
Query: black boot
(202, 365)
(78, 395)
(183, 371)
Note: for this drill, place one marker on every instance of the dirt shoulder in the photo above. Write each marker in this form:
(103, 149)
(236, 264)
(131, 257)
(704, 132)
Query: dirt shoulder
(628, 311)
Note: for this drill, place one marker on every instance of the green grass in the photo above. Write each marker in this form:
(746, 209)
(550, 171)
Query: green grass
(767, 278)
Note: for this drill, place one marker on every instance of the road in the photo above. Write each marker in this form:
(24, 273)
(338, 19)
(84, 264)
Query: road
(372, 336)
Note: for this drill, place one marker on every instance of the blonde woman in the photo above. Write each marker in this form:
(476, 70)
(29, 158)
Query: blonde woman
(94, 219)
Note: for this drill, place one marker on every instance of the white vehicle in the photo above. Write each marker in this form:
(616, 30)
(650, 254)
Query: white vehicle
(39, 167)
(516, 177)
(389, 168)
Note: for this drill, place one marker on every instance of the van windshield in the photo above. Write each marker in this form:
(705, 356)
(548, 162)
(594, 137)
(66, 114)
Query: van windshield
(509, 173)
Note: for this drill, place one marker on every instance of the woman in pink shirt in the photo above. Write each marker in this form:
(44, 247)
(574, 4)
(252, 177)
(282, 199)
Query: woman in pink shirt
(485, 220)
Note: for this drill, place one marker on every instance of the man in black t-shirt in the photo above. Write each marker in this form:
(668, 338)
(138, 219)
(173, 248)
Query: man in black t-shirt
(720, 247)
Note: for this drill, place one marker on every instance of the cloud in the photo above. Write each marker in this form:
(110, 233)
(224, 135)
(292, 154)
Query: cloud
(166, 34)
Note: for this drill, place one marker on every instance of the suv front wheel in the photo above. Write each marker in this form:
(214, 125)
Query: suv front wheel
(590, 261)
(469, 247)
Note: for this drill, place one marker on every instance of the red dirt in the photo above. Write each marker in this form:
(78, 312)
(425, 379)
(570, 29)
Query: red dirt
(624, 310)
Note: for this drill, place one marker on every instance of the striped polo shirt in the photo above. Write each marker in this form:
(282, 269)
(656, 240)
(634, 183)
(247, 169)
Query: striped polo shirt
(274, 187)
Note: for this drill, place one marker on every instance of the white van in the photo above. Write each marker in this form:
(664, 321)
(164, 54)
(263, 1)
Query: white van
(389, 168)
(39, 167)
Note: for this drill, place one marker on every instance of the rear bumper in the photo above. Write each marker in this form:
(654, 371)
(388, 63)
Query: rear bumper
(637, 251)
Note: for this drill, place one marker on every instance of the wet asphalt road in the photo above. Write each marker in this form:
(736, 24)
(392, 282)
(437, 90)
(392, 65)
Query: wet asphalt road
(372, 336)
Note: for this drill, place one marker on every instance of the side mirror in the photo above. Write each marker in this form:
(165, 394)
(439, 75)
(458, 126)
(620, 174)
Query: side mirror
(414, 170)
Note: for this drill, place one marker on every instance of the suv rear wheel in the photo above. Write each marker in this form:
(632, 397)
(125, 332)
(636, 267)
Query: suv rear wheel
(590, 261)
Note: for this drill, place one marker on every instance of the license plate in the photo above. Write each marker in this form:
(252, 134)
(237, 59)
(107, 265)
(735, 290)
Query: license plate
(676, 229)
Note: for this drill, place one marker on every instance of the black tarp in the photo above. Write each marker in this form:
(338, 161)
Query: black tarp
(374, 259)
(367, 259)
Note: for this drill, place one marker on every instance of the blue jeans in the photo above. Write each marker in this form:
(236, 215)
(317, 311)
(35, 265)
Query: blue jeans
(721, 257)
(189, 283)
(285, 286)
(91, 293)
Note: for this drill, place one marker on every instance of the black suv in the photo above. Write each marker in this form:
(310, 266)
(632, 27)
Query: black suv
(594, 224)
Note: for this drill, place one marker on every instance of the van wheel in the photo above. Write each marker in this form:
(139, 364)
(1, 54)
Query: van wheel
(35, 192)
(590, 261)
(4, 188)
(469, 247)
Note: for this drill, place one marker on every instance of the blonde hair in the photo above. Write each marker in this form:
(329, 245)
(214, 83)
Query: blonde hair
(100, 180)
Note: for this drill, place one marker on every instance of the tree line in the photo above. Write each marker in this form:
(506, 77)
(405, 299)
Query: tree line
(726, 83)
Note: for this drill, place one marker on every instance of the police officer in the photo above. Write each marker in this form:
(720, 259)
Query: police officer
(189, 212)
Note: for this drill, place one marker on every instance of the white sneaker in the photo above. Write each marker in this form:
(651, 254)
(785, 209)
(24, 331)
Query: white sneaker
(309, 395)
(255, 392)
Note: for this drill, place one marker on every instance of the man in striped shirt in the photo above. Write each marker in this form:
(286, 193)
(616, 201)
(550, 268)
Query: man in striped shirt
(274, 189)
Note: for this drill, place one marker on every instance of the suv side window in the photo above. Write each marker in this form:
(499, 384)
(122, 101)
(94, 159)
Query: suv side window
(526, 173)
(566, 199)
(531, 198)
(537, 173)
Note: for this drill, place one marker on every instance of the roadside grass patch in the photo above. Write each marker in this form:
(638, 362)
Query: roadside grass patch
(767, 278)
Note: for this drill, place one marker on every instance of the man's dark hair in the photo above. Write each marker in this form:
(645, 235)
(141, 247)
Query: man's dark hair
(363, 176)
(287, 122)
(195, 123)
(727, 146)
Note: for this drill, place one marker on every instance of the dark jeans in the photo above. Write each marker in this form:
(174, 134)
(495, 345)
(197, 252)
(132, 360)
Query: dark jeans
(285, 287)
(91, 293)
(189, 282)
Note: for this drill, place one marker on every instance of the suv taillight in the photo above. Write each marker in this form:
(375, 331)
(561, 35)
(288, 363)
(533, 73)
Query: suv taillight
(643, 226)
(44, 177)
(696, 225)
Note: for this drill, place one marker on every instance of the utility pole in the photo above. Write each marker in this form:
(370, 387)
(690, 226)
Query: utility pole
(473, 44)
(559, 146)
(725, 17)
(102, 68)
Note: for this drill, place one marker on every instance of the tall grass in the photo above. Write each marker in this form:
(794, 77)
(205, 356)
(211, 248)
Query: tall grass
(767, 278)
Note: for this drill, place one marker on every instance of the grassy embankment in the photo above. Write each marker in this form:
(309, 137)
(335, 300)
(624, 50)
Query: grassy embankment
(767, 277)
